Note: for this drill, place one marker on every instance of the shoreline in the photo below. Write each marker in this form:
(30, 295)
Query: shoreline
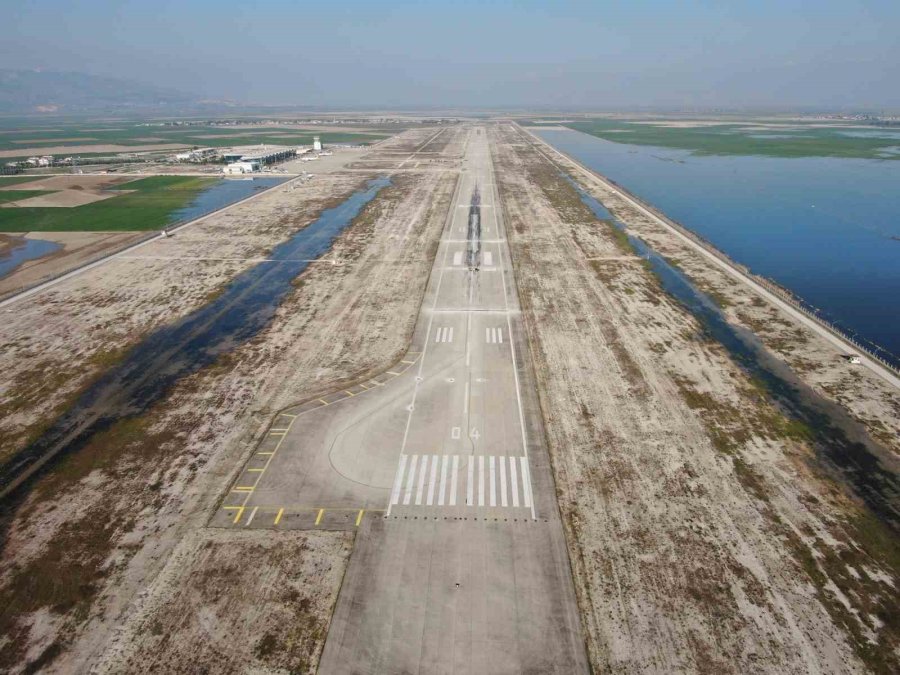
(883, 369)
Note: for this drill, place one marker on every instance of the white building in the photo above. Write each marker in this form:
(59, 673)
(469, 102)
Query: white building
(238, 168)
(317, 144)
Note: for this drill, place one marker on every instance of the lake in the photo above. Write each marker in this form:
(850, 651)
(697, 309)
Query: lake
(828, 229)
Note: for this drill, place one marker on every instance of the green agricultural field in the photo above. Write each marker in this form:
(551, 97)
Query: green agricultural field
(23, 135)
(800, 140)
(16, 180)
(16, 195)
(148, 207)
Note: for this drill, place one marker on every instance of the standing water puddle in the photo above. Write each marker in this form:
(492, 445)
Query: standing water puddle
(840, 441)
(29, 249)
(151, 368)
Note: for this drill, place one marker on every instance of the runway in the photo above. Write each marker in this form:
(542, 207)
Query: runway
(459, 563)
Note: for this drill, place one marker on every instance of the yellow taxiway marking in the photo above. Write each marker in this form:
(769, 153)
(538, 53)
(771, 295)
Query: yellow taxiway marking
(409, 362)
(277, 433)
(272, 431)
(350, 393)
(278, 517)
(323, 401)
(248, 491)
(363, 385)
(319, 517)
(237, 516)
(255, 470)
(359, 516)
(288, 415)
(391, 372)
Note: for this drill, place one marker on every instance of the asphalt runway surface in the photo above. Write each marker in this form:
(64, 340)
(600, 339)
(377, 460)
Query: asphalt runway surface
(459, 564)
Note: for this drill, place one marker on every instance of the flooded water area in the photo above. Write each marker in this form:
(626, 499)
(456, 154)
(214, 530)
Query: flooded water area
(23, 249)
(841, 443)
(827, 229)
(152, 367)
(222, 193)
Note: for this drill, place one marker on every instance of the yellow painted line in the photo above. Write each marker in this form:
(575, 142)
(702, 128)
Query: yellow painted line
(409, 362)
(359, 516)
(278, 517)
(361, 384)
(255, 470)
(391, 372)
(288, 415)
(237, 516)
(285, 430)
(323, 401)
(319, 517)
(350, 393)
(377, 383)
(277, 433)
(265, 453)
(243, 489)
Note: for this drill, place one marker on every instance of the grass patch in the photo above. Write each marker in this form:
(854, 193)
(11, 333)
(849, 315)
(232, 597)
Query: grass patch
(149, 207)
(17, 180)
(16, 195)
(735, 139)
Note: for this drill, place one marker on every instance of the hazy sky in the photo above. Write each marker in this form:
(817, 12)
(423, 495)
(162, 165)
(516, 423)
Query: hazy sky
(825, 53)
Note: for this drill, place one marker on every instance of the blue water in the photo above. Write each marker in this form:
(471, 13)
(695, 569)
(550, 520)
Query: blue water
(821, 227)
(221, 194)
(174, 351)
(28, 250)
(841, 443)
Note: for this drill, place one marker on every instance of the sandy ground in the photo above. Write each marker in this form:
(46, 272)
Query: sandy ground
(702, 536)
(79, 149)
(136, 492)
(235, 602)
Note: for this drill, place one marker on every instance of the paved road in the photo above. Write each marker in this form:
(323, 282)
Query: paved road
(460, 564)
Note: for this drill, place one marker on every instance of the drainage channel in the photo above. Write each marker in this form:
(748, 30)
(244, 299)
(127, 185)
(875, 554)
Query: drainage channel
(841, 443)
(172, 352)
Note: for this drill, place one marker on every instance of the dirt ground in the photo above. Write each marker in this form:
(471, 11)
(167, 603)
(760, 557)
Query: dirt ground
(77, 249)
(72, 576)
(235, 602)
(702, 536)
